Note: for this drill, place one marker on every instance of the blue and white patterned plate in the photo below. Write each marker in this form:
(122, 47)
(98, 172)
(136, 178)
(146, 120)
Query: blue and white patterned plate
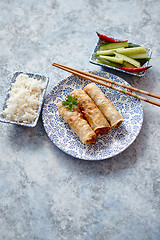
(93, 60)
(116, 141)
(36, 76)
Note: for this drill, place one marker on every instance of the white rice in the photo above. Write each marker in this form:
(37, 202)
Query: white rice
(24, 99)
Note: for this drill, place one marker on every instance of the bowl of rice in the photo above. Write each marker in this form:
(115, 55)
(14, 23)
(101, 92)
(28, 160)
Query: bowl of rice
(24, 99)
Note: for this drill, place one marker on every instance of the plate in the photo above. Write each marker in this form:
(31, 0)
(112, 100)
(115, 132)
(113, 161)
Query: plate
(116, 141)
(36, 76)
(93, 60)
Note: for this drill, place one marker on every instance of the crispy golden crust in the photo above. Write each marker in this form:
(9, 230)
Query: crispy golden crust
(91, 112)
(107, 108)
(78, 124)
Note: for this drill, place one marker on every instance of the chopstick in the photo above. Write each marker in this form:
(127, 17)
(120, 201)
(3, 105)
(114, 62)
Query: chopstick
(107, 83)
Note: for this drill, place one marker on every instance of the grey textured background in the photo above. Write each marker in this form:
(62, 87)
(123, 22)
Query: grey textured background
(44, 193)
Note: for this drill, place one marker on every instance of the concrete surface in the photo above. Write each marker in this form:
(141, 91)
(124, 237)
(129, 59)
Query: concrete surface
(44, 193)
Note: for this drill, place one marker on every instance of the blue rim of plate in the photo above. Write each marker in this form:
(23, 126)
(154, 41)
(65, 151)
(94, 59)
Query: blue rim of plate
(36, 76)
(115, 142)
(93, 60)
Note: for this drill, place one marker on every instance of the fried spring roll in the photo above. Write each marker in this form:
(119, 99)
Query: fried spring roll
(77, 123)
(112, 115)
(91, 112)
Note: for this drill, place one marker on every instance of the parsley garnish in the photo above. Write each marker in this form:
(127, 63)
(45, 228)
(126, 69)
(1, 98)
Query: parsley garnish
(71, 102)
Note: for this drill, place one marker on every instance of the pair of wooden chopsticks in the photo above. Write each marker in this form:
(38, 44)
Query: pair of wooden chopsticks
(107, 83)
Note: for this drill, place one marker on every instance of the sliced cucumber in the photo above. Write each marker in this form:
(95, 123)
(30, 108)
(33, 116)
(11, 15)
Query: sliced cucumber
(132, 45)
(107, 52)
(112, 59)
(140, 56)
(128, 65)
(113, 45)
(131, 51)
(128, 59)
(106, 62)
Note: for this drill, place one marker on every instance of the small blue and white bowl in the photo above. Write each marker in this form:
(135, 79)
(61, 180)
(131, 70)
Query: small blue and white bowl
(101, 42)
(35, 76)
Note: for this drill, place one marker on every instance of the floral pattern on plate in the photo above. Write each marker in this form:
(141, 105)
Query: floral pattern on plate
(116, 141)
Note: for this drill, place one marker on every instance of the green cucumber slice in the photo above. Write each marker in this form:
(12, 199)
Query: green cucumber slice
(131, 51)
(140, 56)
(107, 52)
(112, 59)
(113, 45)
(106, 62)
(128, 59)
(128, 65)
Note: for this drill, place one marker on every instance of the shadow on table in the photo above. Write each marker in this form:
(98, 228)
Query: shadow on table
(21, 137)
(124, 160)
(34, 138)
(143, 83)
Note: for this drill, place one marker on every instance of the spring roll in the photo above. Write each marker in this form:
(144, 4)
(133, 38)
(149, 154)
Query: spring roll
(91, 112)
(78, 124)
(112, 115)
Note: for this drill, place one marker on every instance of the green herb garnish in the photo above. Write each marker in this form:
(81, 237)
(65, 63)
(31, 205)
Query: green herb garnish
(71, 102)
